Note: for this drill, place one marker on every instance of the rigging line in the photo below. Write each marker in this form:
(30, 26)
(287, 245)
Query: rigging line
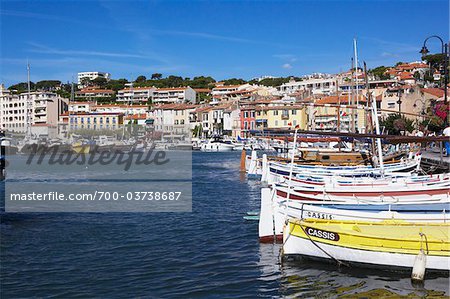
(321, 249)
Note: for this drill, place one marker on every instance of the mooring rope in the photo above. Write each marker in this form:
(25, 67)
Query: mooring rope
(338, 262)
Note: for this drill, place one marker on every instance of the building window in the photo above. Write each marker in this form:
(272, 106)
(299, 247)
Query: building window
(294, 112)
(276, 123)
(275, 112)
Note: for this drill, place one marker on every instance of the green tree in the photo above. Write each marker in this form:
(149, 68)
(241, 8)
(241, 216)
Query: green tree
(380, 72)
(156, 76)
(100, 82)
(395, 123)
(48, 85)
(234, 81)
(141, 79)
(85, 81)
(436, 60)
(22, 87)
(116, 84)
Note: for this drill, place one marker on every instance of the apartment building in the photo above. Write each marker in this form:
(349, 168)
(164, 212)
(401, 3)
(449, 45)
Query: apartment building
(91, 76)
(135, 94)
(323, 116)
(172, 118)
(36, 108)
(94, 93)
(76, 107)
(315, 86)
(95, 121)
(124, 109)
(174, 95)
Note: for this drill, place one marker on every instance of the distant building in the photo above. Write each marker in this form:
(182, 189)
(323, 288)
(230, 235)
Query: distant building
(174, 95)
(44, 108)
(226, 89)
(94, 93)
(76, 107)
(95, 121)
(135, 94)
(323, 86)
(91, 76)
(172, 119)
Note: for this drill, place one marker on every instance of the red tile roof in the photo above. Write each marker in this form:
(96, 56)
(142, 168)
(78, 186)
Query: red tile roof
(95, 91)
(406, 76)
(335, 100)
(206, 90)
(136, 116)
(171, 89)
(437, 92)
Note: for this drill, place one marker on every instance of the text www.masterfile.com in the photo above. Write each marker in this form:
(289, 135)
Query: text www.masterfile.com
(97, 195)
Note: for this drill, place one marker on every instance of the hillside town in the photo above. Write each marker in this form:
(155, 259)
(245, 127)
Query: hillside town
(412, 92)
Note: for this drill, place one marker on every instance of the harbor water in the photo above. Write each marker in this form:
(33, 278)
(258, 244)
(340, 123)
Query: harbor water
(210, 252)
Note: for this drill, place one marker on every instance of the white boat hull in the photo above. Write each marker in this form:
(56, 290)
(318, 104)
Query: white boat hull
(304, 247)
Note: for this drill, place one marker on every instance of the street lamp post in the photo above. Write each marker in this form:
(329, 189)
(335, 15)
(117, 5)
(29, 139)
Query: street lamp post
(445, 46)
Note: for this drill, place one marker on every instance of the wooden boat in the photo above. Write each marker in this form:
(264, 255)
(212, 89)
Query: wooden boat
(276, 209)
(314, 182)
(439, 193)
(277, 171)
(390, 244)
(362, 213)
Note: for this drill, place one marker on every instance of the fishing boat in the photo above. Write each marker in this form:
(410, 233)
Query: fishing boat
(432, 193)
(416, 213)
(313, 182)
(277, 171)
(388, 244)
(276, 209)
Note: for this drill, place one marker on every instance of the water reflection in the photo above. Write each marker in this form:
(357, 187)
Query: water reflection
(302, 278)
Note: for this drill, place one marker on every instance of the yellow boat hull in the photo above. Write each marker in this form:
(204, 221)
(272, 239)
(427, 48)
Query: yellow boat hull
(380, 243)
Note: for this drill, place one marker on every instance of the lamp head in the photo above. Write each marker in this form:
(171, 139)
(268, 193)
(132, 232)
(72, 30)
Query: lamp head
(424, 51)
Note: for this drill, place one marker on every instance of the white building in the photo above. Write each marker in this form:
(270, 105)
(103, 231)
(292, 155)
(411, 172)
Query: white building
(81, 107)
(226, 89)
(91, 76)
(323, 86)
(172, 119)
(44, 109)
(124, 109)
(135, 94)
(174, 95)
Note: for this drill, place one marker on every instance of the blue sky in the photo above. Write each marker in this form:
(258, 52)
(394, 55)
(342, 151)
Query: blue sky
(223, 39)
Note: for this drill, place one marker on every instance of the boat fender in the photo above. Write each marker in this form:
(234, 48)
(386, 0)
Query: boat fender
(418, 271)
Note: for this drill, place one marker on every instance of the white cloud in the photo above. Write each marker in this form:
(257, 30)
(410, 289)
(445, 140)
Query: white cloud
(287, 66)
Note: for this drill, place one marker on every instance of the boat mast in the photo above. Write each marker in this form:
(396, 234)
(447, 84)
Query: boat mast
(369, 118)
(377, 129)
(356, 70)
(71, 100)
(29, 106)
